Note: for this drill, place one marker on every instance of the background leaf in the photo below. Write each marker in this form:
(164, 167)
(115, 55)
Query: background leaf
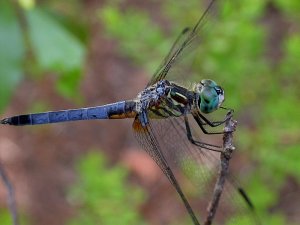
(56, 50)
(12, 52)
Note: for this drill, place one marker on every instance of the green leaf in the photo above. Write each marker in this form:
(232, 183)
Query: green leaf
(11, 54)
(56, 49)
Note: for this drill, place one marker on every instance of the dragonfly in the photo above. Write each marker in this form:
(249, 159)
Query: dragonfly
(165, 115)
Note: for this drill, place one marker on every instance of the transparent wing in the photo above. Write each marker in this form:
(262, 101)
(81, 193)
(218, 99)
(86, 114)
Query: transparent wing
(146, 138)
(185, 43)
(194, 167)
(157, 76)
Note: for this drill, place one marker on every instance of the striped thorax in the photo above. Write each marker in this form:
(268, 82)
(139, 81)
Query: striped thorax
(167, 99)
(164, 99)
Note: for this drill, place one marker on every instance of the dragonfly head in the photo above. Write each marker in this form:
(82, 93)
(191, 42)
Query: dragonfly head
(210, 96)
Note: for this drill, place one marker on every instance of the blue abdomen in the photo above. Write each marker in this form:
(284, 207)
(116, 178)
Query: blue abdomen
(120, 109)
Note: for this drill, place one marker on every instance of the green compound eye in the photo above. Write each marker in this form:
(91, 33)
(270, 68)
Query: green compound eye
(211, 96)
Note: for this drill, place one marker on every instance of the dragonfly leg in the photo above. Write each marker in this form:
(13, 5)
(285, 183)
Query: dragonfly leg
(208, 122)
(143, 117)
(201, 125)
(199, 143)
(200, 118)
(215, 123)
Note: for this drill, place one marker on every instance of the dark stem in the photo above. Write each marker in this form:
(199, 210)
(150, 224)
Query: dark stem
(11, 195)
(225, 156)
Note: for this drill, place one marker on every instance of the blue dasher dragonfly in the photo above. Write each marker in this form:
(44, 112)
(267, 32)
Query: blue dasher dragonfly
(165, 115)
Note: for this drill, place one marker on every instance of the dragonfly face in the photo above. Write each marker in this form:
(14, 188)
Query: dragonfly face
(211, 96)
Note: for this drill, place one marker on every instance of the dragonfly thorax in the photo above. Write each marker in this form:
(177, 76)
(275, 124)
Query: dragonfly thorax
(164, 99)
(209, 96)
(152, 95)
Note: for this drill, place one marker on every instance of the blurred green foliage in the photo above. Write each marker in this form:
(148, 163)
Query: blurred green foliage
(12, 52)
(5, 218)
(34, 41)
(102, 194)
(264, 92)
(55, 49)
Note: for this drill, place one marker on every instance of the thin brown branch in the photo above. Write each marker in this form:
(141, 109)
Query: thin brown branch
(10, 196)
(225, 157)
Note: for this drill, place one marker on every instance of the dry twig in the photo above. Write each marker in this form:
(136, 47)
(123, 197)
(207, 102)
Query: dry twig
(225, 156)
(10, 196)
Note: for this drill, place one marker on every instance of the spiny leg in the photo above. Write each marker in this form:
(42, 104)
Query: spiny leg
(214, 123)
(207, 121)
(199, 119)
(201, 124)
(199, 143)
